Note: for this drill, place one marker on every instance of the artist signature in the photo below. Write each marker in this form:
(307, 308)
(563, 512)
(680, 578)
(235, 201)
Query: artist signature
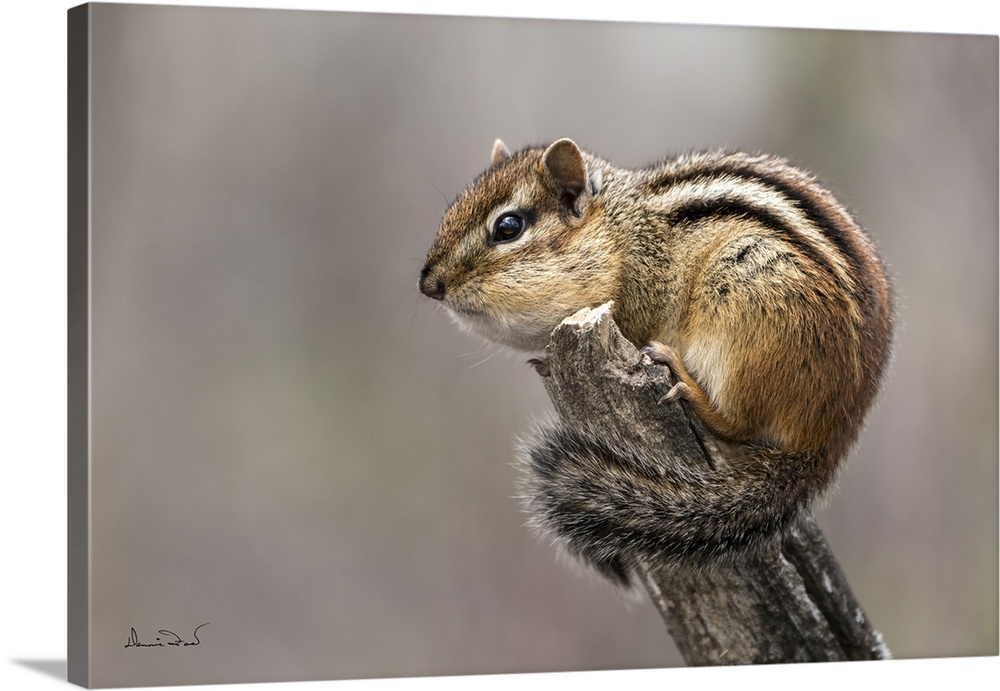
(166, 639)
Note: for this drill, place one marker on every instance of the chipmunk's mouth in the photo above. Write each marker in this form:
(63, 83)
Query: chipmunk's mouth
(461, 311)
(506, 330)
(464, 310)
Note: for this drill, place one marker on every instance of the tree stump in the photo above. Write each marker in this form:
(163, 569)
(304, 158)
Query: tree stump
(787, 603)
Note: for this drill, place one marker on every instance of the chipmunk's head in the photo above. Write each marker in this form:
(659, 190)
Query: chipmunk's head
(522, 249)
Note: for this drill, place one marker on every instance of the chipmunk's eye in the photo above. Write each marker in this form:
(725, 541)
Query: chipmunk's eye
(508, 227)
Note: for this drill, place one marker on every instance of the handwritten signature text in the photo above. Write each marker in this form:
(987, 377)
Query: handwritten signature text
(166, 639)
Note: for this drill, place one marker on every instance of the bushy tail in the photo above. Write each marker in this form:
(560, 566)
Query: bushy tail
(616, 508)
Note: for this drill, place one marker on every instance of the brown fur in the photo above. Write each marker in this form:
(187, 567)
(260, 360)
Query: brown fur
(759, 290)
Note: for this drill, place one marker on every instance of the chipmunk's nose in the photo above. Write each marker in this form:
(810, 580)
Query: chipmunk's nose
(429, 285)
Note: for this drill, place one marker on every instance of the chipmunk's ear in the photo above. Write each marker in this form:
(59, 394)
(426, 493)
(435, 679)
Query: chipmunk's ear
(500, 152)
(563, 164)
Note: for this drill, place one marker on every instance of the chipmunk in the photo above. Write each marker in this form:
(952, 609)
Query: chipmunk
(756, 288)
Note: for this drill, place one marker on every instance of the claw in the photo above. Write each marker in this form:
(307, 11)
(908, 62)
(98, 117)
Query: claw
(662, 354)
(657, 353)
(676, 393)
(541, 367)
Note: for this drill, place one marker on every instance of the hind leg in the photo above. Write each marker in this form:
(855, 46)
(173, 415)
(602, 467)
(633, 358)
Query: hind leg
(685, 388)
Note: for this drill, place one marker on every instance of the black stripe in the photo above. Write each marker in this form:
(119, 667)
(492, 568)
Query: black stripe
(800, 196)
(698, 209)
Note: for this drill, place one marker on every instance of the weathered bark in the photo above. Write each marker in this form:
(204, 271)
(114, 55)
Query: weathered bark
(789, 603)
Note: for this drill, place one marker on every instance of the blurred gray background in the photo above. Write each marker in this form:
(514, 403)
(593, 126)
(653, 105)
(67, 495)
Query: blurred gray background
(293, 444)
